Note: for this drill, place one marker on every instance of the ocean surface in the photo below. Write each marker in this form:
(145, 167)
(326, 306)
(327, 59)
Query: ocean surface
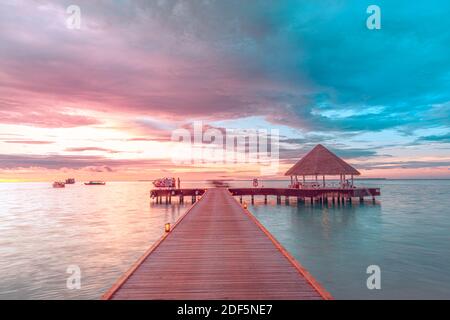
(103, 230)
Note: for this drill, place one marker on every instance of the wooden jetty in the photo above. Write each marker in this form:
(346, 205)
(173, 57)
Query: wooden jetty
(321, 195)
(217, 250)
(168, 194)
(318, 162)
(313, 195)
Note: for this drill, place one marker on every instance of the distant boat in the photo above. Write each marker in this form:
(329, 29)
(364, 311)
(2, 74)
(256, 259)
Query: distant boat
(95, 183)
(70, 181)
(59, 184)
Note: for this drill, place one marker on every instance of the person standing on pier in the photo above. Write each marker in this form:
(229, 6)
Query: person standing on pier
(179, 183)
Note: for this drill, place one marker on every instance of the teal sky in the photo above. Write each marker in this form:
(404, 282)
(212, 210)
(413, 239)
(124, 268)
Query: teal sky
(138, 69)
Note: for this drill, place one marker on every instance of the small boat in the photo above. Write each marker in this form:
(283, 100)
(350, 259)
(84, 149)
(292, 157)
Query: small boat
(70, 181)
(95, 183)
(59, 184)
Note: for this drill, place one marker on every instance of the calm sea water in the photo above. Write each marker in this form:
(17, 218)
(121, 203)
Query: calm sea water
(103, 230)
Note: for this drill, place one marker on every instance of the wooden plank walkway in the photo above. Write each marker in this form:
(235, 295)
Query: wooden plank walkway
(217, 250)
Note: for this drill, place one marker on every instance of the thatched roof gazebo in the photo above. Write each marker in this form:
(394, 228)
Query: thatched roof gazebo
(322, 162)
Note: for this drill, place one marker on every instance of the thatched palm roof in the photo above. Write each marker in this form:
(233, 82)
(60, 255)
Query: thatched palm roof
(321, 161)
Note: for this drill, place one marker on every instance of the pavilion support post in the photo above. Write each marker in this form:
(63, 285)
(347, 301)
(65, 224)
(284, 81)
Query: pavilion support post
(278, 199)
(253, 199)
(265, 199)
(286, 200)
(240, 199)
(324, 181)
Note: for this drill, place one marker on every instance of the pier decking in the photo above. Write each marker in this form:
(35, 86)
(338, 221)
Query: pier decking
(333, 195)
(217, 250)
(323, 195)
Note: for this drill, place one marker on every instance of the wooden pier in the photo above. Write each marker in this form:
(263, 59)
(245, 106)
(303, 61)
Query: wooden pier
(181, 194)
(217, 250)
(325, 195)
(322, 195)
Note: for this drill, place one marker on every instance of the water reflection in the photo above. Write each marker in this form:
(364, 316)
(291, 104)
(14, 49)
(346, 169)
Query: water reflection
(403, 234)
(103, 230)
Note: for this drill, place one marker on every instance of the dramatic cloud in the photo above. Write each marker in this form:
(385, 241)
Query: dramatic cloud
(27, 142)
(71, 162)
(445, 138)
(406, 165)
(83, 149)
(140, 69)
(227, 59)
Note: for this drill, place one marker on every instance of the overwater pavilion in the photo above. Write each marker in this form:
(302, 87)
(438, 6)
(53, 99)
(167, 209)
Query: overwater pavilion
(321, 162)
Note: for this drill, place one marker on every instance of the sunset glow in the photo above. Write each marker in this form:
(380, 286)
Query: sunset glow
(102, 102)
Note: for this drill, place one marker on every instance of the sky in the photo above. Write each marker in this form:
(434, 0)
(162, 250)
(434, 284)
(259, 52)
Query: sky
(103, 101)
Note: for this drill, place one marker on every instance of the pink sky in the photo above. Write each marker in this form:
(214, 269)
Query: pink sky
(102, 102)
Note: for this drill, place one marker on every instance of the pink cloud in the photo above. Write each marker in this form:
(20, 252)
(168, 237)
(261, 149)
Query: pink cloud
(28, 142)
(83, 149)
(128, 70)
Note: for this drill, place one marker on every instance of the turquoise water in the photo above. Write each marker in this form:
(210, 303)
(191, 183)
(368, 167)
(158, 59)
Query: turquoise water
(406, 233)
(103, 230)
